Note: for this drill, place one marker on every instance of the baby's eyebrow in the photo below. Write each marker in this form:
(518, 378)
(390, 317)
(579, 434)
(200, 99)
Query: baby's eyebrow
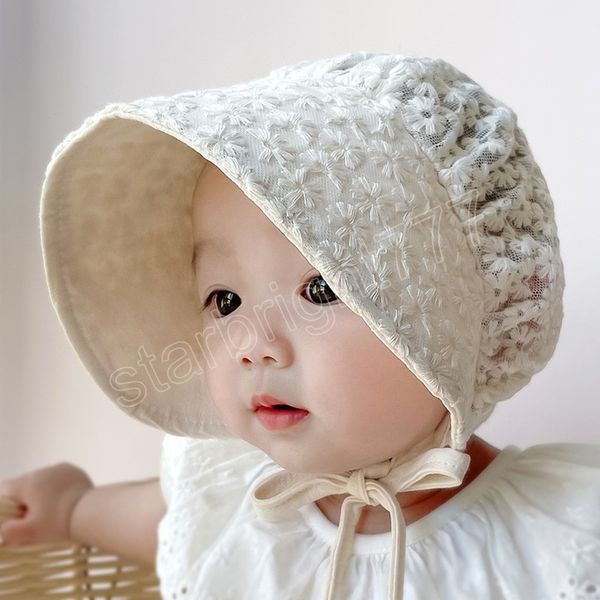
(213, 243)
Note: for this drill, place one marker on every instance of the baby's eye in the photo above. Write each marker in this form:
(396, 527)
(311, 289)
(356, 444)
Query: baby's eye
(318, 291)
(225, 298)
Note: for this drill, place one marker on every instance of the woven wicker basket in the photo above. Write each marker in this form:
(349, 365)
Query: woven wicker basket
(68, 570)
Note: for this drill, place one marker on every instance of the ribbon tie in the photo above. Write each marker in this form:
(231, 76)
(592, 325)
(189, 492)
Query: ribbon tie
(281, 494)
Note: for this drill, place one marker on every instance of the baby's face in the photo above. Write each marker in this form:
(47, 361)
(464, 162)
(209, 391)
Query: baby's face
(273, 326)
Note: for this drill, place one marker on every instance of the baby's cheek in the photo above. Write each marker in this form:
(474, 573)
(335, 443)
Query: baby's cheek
(216, 364)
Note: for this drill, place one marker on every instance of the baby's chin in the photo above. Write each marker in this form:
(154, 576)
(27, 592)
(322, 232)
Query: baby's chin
(297, 462)
(294, 456)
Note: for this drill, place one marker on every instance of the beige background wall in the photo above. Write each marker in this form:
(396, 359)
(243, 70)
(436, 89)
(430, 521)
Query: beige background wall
(60, 61)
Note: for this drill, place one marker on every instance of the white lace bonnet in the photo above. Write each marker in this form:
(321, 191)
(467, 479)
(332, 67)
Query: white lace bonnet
(405, 184)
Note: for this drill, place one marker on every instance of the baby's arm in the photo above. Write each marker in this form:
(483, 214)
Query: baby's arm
(121, 518)
(62, 504)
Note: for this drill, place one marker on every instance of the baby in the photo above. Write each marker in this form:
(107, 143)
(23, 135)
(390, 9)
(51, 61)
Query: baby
(318, 284)
(321, 359)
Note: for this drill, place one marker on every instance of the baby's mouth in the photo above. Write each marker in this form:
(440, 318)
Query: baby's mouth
(280, 416)
(272, 403)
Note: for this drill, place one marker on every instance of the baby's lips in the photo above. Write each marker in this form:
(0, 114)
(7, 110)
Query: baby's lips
(268, 401)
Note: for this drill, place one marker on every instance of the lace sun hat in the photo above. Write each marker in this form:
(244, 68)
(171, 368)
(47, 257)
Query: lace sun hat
(401, 180)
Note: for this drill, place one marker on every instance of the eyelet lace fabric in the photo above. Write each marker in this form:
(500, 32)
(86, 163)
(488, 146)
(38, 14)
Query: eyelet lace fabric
(527, 527)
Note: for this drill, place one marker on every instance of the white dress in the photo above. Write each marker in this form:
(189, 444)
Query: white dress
(527, 528)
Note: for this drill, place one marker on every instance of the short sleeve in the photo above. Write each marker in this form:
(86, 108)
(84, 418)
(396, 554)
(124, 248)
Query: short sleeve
(567, 476)
(560, 484)
(203, 482)
(187, 463)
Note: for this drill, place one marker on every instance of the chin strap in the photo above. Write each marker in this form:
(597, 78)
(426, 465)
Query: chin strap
(281, 494)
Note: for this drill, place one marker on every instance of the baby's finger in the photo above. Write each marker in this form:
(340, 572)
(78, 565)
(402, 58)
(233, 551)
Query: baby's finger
(10, 507)
(16, 532)
(11, 511)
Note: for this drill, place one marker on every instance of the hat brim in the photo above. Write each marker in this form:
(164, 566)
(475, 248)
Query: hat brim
(113, 248)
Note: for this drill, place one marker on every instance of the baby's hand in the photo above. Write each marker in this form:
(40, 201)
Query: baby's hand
(48, 497)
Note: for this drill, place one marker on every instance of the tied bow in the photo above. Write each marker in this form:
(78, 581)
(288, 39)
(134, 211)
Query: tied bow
(282, 493)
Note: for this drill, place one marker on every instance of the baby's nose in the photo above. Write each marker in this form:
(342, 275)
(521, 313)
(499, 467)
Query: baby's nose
(274, 350)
